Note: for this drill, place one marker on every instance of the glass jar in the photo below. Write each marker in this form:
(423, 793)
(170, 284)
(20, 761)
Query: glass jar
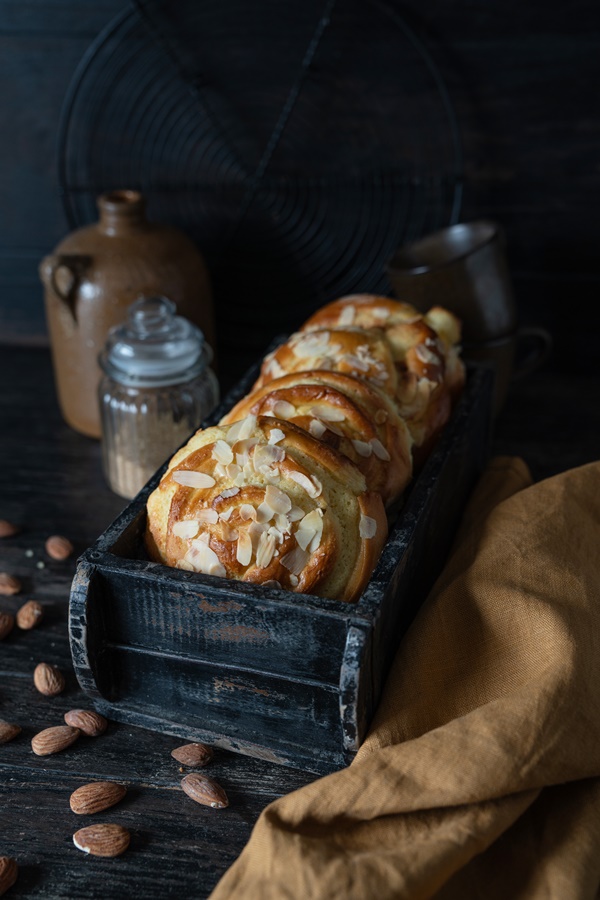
(156, 389)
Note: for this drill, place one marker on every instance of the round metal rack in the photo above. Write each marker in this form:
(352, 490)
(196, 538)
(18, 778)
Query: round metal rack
(298, 144)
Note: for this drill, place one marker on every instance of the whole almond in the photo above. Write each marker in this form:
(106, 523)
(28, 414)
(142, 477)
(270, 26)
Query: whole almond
(7, 529)
(204, 790)
(30, 615)
(8, 731)
(48, 679)
(53, 740)
(87, 720)
(9, 584)
(8, 873)
(59, 547)
(7, 623)
(102, 840)
(96, 796)
(193, 754)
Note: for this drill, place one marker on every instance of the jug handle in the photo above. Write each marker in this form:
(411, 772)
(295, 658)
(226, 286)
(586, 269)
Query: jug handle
(62, 273)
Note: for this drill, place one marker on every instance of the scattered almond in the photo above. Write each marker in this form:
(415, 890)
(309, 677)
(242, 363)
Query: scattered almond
(96, 796)
(204, 790)
(8, 873)
(48, 679)
(58, 547)
(102, 840)
(193, 754)
(87, 720)
(7, 623)
(53, 740)
(30, 615)
(7, 529)
(9, 584)
(8, 731)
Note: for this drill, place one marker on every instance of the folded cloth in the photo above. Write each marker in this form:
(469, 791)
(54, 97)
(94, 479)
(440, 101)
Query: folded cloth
(480, 775)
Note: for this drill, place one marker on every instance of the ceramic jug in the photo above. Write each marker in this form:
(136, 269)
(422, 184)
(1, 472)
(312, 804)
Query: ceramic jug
(95, 274)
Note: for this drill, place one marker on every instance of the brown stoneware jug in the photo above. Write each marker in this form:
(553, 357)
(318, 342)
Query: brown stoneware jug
(92, 278)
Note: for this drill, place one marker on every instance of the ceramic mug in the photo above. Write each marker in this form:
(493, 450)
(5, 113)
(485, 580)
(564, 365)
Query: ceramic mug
(464, 268)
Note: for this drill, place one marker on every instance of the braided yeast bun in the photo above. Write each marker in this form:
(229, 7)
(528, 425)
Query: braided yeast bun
(362, 353)
(350, 415)
(261, 500)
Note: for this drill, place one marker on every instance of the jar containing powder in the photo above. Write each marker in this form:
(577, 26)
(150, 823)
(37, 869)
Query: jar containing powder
(156, 389)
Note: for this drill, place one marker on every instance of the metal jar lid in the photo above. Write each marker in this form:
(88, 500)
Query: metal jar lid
(154, 347)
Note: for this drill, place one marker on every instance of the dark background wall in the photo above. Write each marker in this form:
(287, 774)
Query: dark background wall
(523, 76)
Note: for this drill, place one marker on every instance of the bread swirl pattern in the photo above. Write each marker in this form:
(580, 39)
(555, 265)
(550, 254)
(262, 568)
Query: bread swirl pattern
(263, 501)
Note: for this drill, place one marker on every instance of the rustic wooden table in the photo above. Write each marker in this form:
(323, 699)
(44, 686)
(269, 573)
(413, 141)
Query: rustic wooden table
(51, 483)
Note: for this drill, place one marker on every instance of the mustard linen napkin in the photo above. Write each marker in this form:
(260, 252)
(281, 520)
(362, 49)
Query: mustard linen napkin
(479, 777)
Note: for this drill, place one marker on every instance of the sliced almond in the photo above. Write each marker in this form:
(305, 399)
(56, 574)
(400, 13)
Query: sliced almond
(230, 492)
(284, 410)
(264, 512)
(316, 428)
(295, 560)
(256, 530)
(222, 452)
(328, 413)
(277, 499)
(265, 550)
(243, 552)
(363, 448)
(186, 529)
(204, 790)
(189, 478)
(247, 512)
(204, 559)
(346, 317)
(276, 435)
(312, 486)
(379, 450)
(367, 527)
(240, 430)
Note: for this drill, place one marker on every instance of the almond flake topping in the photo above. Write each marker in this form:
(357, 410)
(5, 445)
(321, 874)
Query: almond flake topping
(222, 452)
(346, 316)
(283, 523)
(367, 527)
(265, 550)
(230, 492)
(264, 512)
(295, 514)
(283, 410)
(426, 356)
(276, 435)
(228, 532)
(277, 499)
(380, 312)
(204, 559)
(187, 528)
(316, 428)
(226, 514)
(379, 450)
(311, 344)
(247, 512)
(241, 430)
(363, 448)
(207, 516)
(184, 564)
(233, 470)
(312, 486)
(310, 531)
(273, 368)
(328, 413)
(188, 478)
(295, 560)
(294, 580)
(266, 455)
(243, 553)
(381, 416)
(256, 530)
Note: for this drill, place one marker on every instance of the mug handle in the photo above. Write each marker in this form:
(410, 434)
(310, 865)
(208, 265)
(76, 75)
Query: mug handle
(62, 274)
(538, 347)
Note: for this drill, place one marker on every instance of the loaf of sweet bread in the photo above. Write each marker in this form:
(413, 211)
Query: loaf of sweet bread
(291, 487)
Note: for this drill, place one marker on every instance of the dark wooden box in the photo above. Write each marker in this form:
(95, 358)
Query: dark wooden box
(287, 677)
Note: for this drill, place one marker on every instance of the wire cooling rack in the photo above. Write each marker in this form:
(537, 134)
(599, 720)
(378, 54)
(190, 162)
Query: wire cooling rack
(297, 143)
